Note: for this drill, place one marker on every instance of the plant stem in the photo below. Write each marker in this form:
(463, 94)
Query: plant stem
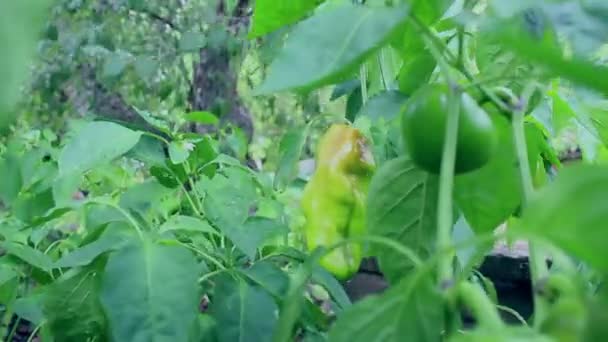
(6, 320)
(538, 267)
(482, 308)
(446, 185)
(454, 61)
(33, 334)
(363, 79)
(460, 60)
(385, 70)
(204, 255)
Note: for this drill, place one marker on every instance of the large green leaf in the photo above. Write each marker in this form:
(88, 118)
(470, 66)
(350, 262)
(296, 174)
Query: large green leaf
(244, 312)
(6, 274)
(386, 105)
(572, 213)
(270, 15)
(97, 143)
(330, 43)
(413, 308)
(31, 256)
(150, 199)
(290, 150)
(488, 196)
(334, 288)
(530, 34)
(74, 299)
(268, 276)
(227, 205)
(402, 205)
(186, 223)
(11, 180)
(113, 238)
(150, 292)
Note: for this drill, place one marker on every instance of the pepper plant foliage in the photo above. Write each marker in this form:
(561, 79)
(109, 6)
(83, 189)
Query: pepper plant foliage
(113, 234)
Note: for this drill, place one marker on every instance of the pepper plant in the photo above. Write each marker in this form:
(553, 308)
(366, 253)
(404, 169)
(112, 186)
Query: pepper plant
(110, 233)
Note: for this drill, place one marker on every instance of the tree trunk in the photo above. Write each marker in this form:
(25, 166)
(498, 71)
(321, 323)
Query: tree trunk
(214, 86)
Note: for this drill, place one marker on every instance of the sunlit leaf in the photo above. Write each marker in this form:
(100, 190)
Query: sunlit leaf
(402, 205)
(290, 150)
(28, 254)
(246, 312)
(330, 43)
(270, 15)
(187, 223)
(572, 214)
(96, 143)
(412, 308)
(202, 117)
(150, 293)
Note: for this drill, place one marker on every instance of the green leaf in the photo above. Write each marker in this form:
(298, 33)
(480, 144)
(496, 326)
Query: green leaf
(150, 292)
(115, 65)
(246, 313)
(202, 117)
(412, 308)
(64, 188)
(155, 122)
(28, 207)
(290, 150)
(112, 238)
(227, 206)
(186, 223)
(572, 214)
(73, 299)
(484, 201)
(329, 44)
(146, 67)
(270, 15)
(345, 88)
(30, 307)
(333, 287)
(148, 150)
(270, 277)
(96, 143)
(179, 151)
(31, 256)
(150, 199)
(402, 205)
(386, 105)
(6, 274)
(254, 233)
(531, 36)
(192, 41)
(11, 180)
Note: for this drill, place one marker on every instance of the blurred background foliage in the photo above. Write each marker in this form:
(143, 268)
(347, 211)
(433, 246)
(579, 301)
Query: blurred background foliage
(117, 59)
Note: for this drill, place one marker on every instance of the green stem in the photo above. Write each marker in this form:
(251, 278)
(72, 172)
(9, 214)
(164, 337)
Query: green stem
(538, 267)
(6, 320)
(513, 313)
(482, 308)
(446, 185)
(384, 70)
(460, 60)
(448, 162)
(363, 79)
(211, 274)
(204, 255)
(197, 210)
(33, 334)
(14, 329)
(437, 42)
